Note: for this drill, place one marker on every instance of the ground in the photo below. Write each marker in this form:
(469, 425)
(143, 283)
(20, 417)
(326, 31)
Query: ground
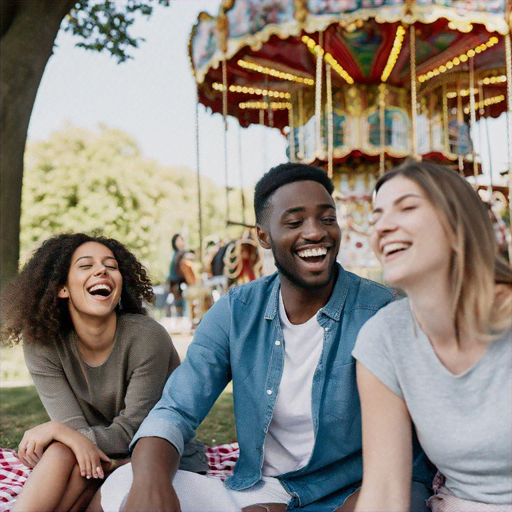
(21, 409)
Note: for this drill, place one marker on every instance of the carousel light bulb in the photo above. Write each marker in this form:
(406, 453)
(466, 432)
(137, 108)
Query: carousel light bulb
(456, 61)
(449, 65)
(442, 69)
(463, 58)
(470, 53)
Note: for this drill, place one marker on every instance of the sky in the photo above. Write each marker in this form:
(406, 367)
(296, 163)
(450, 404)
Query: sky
(152, 98)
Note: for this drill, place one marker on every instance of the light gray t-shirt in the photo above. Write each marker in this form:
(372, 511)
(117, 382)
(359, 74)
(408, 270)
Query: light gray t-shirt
(464, 422)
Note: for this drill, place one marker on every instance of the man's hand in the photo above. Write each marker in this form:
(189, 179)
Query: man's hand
(152, 495)
(266, 507)
(154, 463)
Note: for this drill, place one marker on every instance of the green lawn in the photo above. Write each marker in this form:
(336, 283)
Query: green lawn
(20, 409)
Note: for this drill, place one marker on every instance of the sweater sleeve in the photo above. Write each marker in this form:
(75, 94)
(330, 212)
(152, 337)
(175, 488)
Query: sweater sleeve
(152, 358)
(53, 387)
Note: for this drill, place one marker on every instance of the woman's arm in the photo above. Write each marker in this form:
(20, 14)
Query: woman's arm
(144, 389)
(387, 447)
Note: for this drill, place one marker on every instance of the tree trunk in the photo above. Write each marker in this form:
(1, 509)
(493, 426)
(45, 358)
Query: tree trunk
(29, 29)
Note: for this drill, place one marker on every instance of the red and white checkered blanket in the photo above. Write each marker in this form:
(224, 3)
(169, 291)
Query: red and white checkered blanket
(13, 474)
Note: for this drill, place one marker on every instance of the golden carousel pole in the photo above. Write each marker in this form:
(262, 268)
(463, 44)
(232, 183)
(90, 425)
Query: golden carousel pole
(291, 126)
(263, 140)
(330, 122)
(446, 141)
(382, 118)
(414, 101)
(302, 133)
(508, 60)
(318, 98)
(225, 117)
(472, 121)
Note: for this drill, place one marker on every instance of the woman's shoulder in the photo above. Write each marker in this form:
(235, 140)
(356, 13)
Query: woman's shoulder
(392, 316)
(133, 325)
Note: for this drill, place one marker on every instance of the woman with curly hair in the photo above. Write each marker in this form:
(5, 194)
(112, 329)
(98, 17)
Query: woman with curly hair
(98, 362)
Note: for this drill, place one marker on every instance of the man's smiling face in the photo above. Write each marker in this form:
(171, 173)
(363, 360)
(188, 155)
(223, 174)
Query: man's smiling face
(302, 230)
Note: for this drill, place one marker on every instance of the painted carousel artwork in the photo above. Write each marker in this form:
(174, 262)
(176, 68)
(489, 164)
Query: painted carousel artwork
(359, 85)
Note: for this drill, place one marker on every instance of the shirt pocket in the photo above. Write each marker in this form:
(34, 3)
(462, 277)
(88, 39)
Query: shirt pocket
(341, 396)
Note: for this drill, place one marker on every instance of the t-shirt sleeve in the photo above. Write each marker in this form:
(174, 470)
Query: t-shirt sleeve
(373, 350)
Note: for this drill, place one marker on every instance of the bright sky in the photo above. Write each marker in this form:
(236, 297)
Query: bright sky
(152, 97)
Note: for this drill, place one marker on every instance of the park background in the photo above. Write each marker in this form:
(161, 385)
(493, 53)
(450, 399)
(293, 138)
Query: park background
(112, 147)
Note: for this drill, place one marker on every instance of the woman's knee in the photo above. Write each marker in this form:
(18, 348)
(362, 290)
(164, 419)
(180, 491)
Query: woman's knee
(60, 452)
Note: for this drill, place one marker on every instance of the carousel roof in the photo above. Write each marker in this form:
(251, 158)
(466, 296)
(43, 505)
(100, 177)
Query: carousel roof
(270, 48)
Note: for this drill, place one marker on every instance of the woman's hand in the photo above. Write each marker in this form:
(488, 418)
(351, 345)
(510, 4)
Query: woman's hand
(88, 455)
(35, 441)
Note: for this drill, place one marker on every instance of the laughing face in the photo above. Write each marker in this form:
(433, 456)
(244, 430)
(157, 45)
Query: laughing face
(303, 233)
(94, 283)
(408, 236)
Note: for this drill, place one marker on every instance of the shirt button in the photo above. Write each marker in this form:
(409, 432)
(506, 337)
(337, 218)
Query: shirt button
(269, 392)
(278, 343)
(327, 329)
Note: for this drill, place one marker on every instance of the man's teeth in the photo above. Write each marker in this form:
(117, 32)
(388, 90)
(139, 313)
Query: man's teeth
(98, 287)
(309, 253)
(393, 247)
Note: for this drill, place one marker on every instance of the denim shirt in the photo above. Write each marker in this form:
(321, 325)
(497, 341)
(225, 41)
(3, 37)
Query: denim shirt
(240, 339)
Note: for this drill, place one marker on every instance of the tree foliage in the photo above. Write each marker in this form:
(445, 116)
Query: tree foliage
(81, 180)
(105, 25)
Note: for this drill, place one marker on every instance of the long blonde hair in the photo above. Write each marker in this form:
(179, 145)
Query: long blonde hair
(481, 280)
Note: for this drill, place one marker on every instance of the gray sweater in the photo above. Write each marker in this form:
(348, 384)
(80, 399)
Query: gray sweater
(107, 403)
(464, 422)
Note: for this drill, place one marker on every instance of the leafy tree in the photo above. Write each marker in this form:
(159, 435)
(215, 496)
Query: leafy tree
(81, 180)
(28, 32)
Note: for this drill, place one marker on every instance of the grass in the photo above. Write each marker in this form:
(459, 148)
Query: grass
(21, 409)
(12, 365)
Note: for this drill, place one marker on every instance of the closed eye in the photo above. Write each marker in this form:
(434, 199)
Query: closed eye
(293, 224)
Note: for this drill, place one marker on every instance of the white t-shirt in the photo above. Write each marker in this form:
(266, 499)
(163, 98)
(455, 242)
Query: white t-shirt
(290, 439)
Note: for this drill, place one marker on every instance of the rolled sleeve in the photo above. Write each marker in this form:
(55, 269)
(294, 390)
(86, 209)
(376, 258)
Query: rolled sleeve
(195, 385)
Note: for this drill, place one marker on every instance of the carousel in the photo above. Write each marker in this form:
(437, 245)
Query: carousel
(357, 86)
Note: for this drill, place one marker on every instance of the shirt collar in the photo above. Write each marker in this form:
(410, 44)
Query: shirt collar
(332, 309)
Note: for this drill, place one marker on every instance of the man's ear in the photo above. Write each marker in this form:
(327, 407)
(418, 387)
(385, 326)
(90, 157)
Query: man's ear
(263, 237)
(63, 293)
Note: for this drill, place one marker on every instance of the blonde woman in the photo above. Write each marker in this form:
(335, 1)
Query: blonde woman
(440, 359)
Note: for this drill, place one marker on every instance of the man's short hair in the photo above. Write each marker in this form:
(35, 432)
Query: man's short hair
(281, 175)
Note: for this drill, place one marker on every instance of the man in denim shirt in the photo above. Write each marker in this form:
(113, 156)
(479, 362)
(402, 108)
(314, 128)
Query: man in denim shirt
(285, 341)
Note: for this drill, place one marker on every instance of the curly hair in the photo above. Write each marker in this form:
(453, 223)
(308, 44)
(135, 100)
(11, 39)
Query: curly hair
(31, 308)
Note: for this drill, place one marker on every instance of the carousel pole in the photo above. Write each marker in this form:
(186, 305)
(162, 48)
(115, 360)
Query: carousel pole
(446, 141)
(472, 119)
(508, 59)
(302, 133)
(483, 122)
(198, 173)
(382, 120)
(225, 117)
(240, 170)
(414, 101)
(318, 99)
(291, 134)
(263, 140)
(330, 122)
(460, 122)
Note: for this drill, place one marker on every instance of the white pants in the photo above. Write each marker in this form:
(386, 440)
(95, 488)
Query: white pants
(197, 493)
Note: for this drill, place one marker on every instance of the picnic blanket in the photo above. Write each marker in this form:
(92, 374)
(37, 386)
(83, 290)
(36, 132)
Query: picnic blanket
(13, 474)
